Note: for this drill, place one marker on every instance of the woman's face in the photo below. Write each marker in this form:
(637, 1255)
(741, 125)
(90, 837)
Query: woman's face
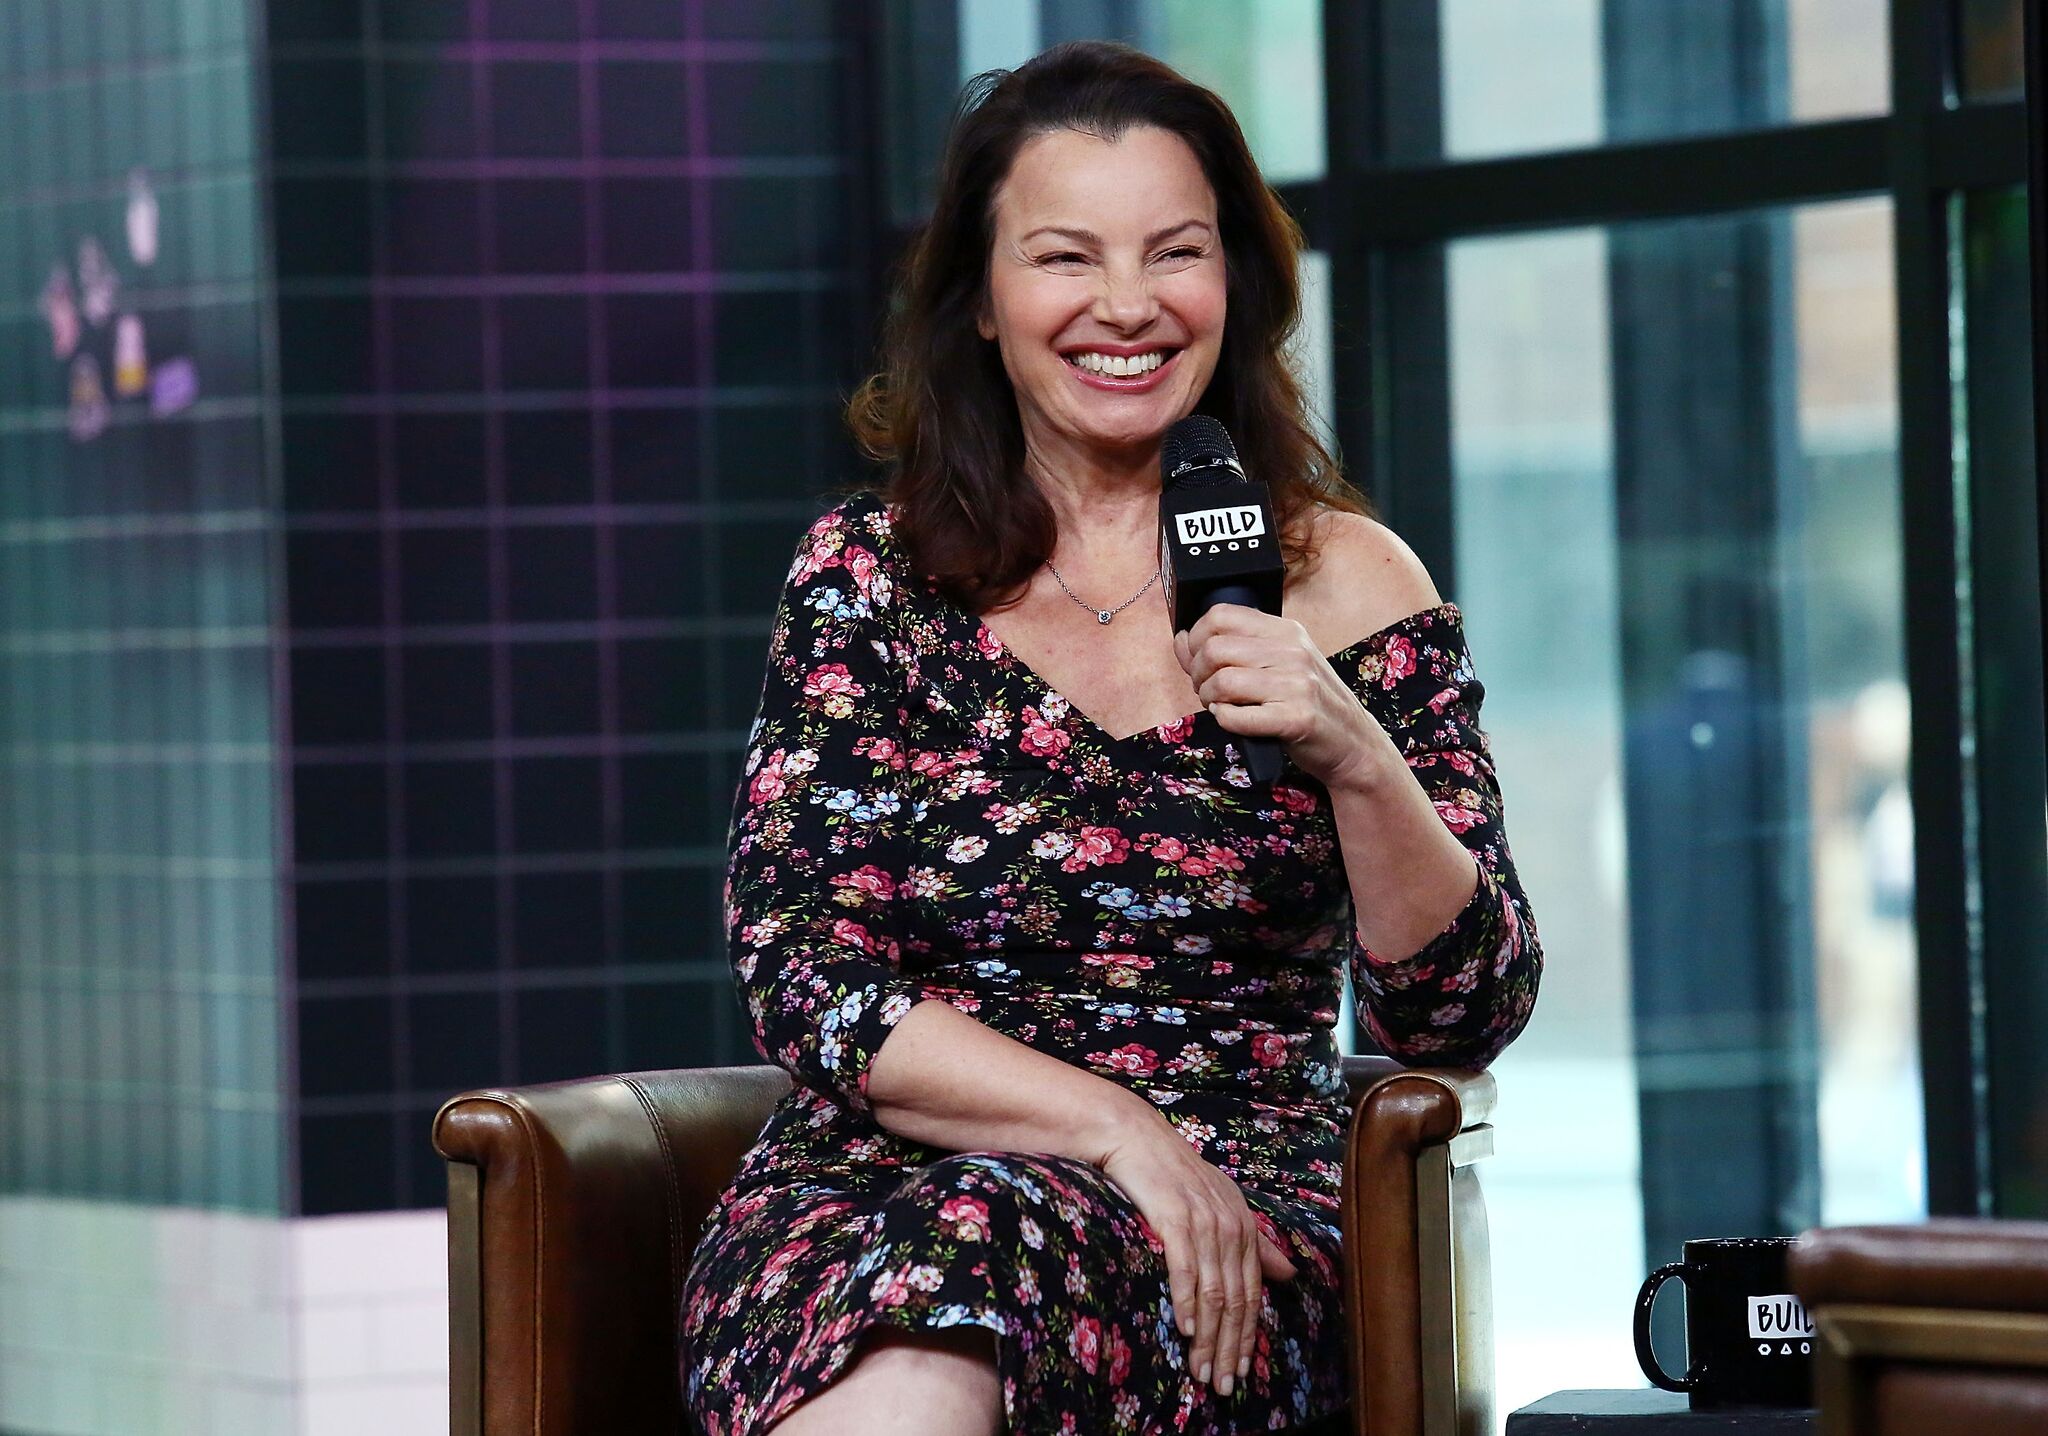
(1106, 258)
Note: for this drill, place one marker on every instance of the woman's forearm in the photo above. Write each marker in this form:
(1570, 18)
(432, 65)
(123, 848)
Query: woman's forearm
(948, 1081)
(1408, 872)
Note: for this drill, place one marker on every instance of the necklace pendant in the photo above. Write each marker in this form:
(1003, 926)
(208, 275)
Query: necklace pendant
(1103, 615)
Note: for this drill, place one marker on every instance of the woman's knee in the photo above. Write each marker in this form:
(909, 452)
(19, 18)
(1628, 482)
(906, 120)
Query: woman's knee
(947, 1375)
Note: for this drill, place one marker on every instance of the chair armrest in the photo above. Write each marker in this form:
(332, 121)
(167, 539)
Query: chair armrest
(583, 1201)
(1418, 1275)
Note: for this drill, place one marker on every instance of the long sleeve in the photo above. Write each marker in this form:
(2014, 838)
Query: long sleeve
(1468, 992)
(817, 841)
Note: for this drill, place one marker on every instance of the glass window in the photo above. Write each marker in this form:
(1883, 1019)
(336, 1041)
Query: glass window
(1265, 58)
(1676, 512)
(1562, 74)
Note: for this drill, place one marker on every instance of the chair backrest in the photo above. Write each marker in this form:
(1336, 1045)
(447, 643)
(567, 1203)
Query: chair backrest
(565, 1193)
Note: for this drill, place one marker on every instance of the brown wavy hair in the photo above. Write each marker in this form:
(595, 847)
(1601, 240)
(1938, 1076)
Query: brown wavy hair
(941, 416)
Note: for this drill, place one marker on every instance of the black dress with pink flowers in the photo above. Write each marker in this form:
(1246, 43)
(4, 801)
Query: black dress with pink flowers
(923, 817)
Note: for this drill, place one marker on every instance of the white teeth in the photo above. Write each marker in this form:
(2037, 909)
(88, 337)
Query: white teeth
(1118, 365)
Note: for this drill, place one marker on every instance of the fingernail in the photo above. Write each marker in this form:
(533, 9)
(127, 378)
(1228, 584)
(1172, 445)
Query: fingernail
(1205, 1370)
(1223, 1386)
(1244, 1364)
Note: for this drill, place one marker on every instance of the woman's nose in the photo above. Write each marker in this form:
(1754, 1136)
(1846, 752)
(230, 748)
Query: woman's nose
(1125, 300)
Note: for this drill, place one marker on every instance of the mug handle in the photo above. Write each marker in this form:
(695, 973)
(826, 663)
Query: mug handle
(1646, 1355)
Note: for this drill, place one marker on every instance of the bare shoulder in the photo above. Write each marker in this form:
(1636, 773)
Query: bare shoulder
(1365, 579)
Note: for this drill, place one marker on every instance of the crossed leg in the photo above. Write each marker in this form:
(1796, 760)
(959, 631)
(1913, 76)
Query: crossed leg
(942, 1381)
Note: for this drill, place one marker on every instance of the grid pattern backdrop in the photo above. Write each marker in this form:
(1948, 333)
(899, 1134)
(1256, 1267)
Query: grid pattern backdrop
(563, 308)
(562, 323)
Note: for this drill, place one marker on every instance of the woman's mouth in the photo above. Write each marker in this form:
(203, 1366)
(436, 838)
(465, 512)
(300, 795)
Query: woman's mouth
(1119, 373)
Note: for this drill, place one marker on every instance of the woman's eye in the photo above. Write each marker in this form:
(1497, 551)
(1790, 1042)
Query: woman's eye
(1059, 258)
(1177, 253)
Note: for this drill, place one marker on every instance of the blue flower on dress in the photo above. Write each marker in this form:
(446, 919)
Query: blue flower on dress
(1111, 897)
(832, 602)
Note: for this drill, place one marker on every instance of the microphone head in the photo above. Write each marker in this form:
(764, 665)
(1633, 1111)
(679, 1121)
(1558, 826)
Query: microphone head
(1216, 528)
(1195, 443)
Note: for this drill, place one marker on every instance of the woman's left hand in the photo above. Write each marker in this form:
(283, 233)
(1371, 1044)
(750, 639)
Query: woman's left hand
(1263, 676)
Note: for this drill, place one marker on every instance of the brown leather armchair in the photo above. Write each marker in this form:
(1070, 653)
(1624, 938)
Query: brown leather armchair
(1928, 1329)
(572, 1207)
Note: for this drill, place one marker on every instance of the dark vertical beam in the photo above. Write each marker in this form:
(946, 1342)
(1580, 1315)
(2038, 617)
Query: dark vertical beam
(1391, 381)
(1948, 918)
(913, 57)
(2036, 39)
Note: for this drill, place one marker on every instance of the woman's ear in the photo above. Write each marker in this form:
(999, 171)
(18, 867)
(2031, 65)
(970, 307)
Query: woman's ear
(983, 325)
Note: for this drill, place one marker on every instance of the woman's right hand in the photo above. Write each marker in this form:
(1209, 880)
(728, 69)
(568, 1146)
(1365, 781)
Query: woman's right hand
(1216, 1251)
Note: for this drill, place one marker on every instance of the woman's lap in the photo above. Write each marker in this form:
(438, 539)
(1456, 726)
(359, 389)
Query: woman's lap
(1043, 1250)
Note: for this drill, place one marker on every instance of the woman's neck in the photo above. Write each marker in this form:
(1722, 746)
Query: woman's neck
(1102, 510)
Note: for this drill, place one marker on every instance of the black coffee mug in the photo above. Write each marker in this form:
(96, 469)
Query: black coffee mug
(1747, 1337)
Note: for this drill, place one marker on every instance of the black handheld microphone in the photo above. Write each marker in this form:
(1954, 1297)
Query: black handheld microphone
(1217, 542)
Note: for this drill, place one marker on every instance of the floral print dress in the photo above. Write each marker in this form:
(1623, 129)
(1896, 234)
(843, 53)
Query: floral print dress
(922, 817)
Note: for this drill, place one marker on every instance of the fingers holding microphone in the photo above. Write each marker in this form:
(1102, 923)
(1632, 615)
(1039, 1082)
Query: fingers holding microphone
(1262, 676)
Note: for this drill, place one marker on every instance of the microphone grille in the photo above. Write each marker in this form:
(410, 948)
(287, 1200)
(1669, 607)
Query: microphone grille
(1198, 441)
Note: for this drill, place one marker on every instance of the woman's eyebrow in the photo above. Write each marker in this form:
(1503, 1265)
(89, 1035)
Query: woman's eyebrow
(1086, 237)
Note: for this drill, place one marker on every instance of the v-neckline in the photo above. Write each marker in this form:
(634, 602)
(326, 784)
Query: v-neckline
(1005, 653)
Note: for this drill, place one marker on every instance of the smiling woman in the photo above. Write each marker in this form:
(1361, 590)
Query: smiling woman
(1056, 976)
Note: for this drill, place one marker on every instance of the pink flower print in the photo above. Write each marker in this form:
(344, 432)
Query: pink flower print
(880, 750)
(1119, 1357)
(774, 1271)
(768, 785)
(891, 1288)
(1085, 1343)
(991, 646)
(1133, 1059)
(1294, 800)
(832, 689)
(1176, 731)
(1458, 819)
(1169, 850)
(1042, 739)
(874, 881)
(967, 1216)
(1096, 847)
(1400, 660)
(1269, 1049)
(1443, 700)
(861, 564)
(1222, 859)
(852, 934)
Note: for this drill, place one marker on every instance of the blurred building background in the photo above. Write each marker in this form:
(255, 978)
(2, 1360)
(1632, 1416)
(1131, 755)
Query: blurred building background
(407, 412)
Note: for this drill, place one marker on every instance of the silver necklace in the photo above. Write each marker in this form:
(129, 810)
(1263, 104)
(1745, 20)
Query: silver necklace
(1103, 615)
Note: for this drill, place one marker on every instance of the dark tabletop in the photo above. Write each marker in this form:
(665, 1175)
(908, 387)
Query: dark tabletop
(1648, 1412)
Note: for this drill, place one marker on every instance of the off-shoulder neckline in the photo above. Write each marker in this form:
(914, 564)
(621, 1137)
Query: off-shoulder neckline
(977, 626)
